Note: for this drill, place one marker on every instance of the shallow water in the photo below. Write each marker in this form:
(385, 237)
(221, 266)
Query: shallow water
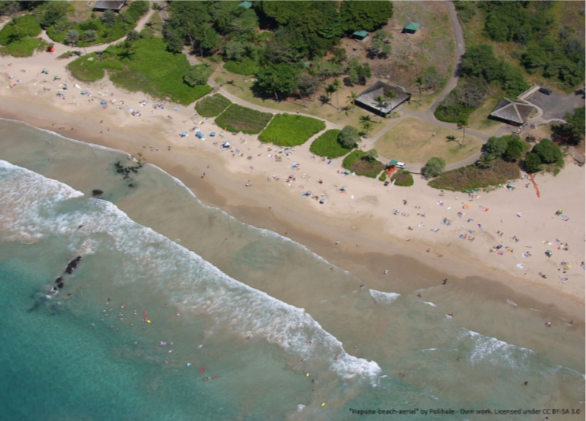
(251, 307)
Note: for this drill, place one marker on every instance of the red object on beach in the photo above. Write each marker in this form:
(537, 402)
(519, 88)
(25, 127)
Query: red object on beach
(202, 370)
(215, 377)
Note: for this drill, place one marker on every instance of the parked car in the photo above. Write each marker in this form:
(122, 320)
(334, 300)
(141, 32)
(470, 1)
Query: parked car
(545, 91)
(401, 165)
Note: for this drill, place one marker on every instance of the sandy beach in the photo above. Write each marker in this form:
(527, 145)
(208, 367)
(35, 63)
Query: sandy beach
(502, 235)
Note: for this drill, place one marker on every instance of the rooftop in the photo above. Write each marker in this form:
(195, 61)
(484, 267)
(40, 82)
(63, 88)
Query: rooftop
(411, 27)
(514, 111)
(110, 4)
(360, 34)
(380, 89)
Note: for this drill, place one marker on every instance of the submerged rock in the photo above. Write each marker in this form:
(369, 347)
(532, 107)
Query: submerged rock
(97, 193)
(72, 265)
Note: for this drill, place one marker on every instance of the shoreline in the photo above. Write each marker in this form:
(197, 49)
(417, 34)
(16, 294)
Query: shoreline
(314, 232)
(362, 221)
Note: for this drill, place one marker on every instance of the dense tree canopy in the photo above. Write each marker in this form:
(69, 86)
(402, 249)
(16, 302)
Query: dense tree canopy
(573, 131)
(434, 167)
(349, 137)
(547, 151)
(276, 80)
(365, 15)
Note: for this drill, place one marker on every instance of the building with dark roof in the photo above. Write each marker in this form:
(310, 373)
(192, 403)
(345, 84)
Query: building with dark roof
(512, 112)
(368, 98)
(109, 5)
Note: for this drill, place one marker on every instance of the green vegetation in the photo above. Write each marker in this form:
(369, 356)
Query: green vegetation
(291, 130)
(572, 132)
(510, 148)
(369, 15)
(383, 176)
(138, 68)
(212, 106)
(402, 178)
(237, 118)
(328, 145)
(540, 39)
(16, 36)
(474, 177)
(107, 28)
(434, 167)
(67, 54)
(359, 163)
(247, 65)
(349, 137)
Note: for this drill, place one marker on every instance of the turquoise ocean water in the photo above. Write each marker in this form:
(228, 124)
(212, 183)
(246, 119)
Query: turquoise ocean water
(177, 311)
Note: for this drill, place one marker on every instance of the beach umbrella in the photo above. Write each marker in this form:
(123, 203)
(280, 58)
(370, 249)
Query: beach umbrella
(212, 134)
(183, 134)
(102, 102)
(322, 201)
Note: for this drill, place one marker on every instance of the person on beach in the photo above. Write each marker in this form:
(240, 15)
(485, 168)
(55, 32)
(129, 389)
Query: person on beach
(445, 281)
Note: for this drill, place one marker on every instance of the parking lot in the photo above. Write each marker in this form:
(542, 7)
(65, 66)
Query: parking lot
(555, 105)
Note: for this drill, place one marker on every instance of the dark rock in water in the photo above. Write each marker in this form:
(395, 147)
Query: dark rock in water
(60, 285)
(59, 279)
(72, 265)
(131, 185)
(97, 193)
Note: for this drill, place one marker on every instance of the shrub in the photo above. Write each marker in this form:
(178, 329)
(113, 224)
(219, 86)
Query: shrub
(147, 33)
(24, 48)
(250, 67)
(291, 130)
(349, 137)
(383, 177)
(496, 146)
(532, 163)
(433, 167)
(473, 177)
(402, 178)
(237, 118)
(196, 75)
(327, 144)
(515, 149)
(547, 151)
(358, 163)
(212, 106)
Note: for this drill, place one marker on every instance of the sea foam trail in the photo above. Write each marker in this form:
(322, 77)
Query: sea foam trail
(383, 297)
(192, 283)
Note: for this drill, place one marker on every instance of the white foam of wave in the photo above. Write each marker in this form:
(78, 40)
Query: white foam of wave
(193, 284)
(383, 297)
(514, 304)
(428, 303)
(496, 351)
(24, 194)
(429, 349)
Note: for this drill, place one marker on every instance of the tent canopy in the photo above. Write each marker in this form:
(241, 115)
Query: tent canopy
(411, 27)
(360, 34)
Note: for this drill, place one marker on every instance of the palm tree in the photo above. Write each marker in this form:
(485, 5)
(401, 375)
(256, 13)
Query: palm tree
(451, 138)
(366, 126)
(337, 85)
(366, 118)
(72, 37)
(371, 155)
(419, 83)
(352, 98)
(381, 101)
(463, 126)
(330, 89)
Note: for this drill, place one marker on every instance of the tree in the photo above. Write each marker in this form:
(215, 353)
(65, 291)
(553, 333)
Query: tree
(55, 12)
(496, 146)
(109, 17)
(380, 46)
(532, 163)
(234, 50)
(514, 150)
(276, 79)
(336, 84)
(434, 167)
(371, 155)
(547, 151)
(419, 82)
(367, 126)
(196, 75)
(351, 99)
(330, 89)
(462, 125)
(480, 61)
(365, 15)
(349, 137)
(573, 131)
(72, 37)
(90, 35)
(175, 44)
(381, 101)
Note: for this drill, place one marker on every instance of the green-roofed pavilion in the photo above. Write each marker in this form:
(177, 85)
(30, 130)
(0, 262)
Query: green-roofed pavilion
(360, 34)
(411, 27)
(245, 4)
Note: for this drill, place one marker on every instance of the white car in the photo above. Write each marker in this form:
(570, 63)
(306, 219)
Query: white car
(401, 165)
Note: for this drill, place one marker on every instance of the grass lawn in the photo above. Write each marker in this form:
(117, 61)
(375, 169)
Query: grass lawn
(237, 118)
(291, 130)
(472, 177)
(19, 28)
(327, 145)
(142, 71)
(412, 141)
(212, 106)
(426, 101)
(356, 163)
